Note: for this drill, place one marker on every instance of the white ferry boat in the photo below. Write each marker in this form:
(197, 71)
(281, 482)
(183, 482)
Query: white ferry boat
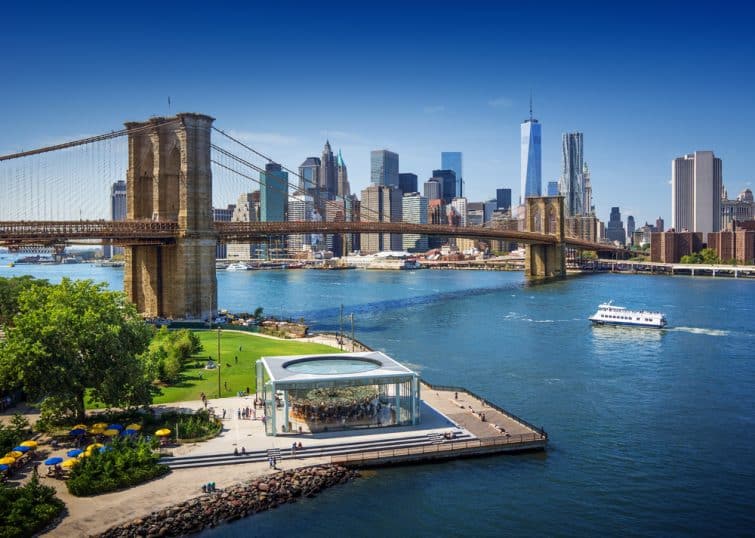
(609, 314)
(240, 266)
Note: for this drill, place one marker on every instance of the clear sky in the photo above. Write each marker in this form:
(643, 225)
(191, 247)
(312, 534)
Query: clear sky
(644, 82)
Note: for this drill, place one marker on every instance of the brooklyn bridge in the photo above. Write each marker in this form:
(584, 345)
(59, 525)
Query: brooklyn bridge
(169, 235)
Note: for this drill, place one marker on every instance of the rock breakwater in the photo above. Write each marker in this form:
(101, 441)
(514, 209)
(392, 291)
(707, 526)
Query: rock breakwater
(234, 502)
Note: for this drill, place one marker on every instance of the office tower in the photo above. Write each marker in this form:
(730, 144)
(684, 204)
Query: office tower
(459, 204)
(309, 175)
(328, 173)
(503, 199)
(117, 213)
(436, 214)
(741, 209)
(659, 225)
(630, 227)
(301, 208)
(407, 182)
(273, 193)
(381, 203)
(246, 210)
(553, 188)
(531, 160)
(571, 173)
(384, 168)
(414, 211)
(447, 180)
(220, 214)
(489, 207)
(615, 229)
(587, 207)
(335, 211)
(433, 189)
(451, 160)
(344, 189)
(475, 213)
(696, 183)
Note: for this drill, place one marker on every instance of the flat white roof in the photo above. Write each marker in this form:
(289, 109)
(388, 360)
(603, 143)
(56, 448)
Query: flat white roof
(294, 368)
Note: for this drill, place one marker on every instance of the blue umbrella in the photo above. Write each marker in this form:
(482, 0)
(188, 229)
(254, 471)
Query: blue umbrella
(76, 432)
(53, 461)
(73, 453)
(22, 448)
(105, 448)
(129, 432)
(115, 427)
(3, 467)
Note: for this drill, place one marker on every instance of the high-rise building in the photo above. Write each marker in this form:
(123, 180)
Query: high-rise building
(301, 208)
(630, 228)
(742, 208)
(553, 188)
(328, 173)
(587, 206)
(503, 198)
(475, 213)
(381, 203)
(247, 210)
(452, 160)
(696, 183)
(221, 214)
(407, 182)
(414, 211)
(384, 168)
(433, 189)
(459, 204)
(309, 175)
(571, 174)
(344, 189)
(531, 159)
(659, 225)
(273, 193)
(117, 213)
(447, 180)
(489, 207)
(615, 228)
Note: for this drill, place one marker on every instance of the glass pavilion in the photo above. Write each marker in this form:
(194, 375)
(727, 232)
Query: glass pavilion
(319, 393)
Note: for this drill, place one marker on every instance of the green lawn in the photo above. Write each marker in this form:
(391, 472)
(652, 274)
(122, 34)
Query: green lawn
(238, 375)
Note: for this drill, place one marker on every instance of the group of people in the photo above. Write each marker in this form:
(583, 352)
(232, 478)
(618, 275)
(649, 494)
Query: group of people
(295, 447)
(365, 410)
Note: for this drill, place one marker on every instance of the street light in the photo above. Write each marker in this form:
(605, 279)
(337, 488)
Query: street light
(219, 393)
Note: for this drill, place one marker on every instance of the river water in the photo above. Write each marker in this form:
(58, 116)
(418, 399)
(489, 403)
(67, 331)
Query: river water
(652, 432)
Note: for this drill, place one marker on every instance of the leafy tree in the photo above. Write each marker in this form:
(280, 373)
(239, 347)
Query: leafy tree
(74, 336)
(258, 315)
(10, 289)
(709, 256)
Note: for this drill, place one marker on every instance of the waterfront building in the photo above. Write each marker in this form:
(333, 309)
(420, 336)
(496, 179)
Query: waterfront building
(571, 173)
(669, 247)
(381, 203)
(342, 177)
(553, 188)
(301, 208)
(407, 182)
(433, 189)
(220, 214)
(659, 225)
(414, 211)
(735, 245)
(503, 199)
(742, 208)
(531, 159)
(452, 160)
(384, 168)
(696, 185)
(118, 212)
(475, 213)
(247, 209)
(459, 204)
(630, 228)
(447, 180)
(615, 229)
(309, 175)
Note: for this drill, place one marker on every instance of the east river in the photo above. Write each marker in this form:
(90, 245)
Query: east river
(652, 432)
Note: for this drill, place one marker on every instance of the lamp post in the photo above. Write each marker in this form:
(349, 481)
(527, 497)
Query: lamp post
(219, 393)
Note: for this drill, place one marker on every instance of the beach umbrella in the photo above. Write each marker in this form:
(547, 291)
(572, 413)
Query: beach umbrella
(105, 449)
(80, 427)
(30, 444)
(73, 453)
(76, 432)
(53, 461)
(115, 427)
(111, 432)
(7, 460)
(4, 467)
(162, 432)
(135, 427)
(14, 454)
(69, 463)
(22, 449)
(96, 431)
(84, 455)
(102, 425)
(93, 446)
(129, 431)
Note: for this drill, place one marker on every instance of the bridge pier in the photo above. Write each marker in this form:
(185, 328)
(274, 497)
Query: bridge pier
(169, 179)
(545, 214)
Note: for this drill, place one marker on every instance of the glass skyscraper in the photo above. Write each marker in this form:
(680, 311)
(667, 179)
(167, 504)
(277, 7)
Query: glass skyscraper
(273, 193)
(451, 160)
(553, 188)
(447, 180)
(384, 168)
(531, 158)
(571, 186)
(503, 199)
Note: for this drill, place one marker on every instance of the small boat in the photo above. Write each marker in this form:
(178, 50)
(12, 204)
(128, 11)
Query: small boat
(239, 266)
(609, 314)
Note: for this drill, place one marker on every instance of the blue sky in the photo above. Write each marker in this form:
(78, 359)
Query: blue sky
(644, 82)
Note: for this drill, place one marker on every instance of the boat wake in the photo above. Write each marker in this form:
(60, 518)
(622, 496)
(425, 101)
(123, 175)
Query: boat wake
(698, 330)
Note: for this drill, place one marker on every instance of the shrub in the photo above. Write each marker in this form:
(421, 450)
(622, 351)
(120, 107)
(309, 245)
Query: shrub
(13, 434)
(186, 426)
(28, 509)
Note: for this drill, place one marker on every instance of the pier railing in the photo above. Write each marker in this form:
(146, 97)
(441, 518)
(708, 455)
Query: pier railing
(523, 441)
(501, 410)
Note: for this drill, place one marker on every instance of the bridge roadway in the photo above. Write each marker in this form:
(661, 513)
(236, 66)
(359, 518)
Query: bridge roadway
(139, 232)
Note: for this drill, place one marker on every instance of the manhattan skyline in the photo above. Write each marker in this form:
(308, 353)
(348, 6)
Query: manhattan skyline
(636, 95)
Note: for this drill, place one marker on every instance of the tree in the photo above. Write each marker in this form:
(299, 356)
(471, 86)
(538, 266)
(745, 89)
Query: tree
(709, 256)
(10, 290)
(75, 336)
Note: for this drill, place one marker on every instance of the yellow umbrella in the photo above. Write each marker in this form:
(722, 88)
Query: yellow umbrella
(162, 432)
(96, 431)
(84, 455)
(135, 427)
(111, 433)
(7, 460)
(30, 444)
(14, 454)
(69, 463)
(81, 427)
(100, 425)
(93, 446)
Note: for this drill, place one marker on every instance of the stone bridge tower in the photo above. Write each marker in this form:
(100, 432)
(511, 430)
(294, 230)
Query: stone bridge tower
(545, 214)
(169, 179)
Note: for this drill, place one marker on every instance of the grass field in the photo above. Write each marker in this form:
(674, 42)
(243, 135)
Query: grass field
(234, 375)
